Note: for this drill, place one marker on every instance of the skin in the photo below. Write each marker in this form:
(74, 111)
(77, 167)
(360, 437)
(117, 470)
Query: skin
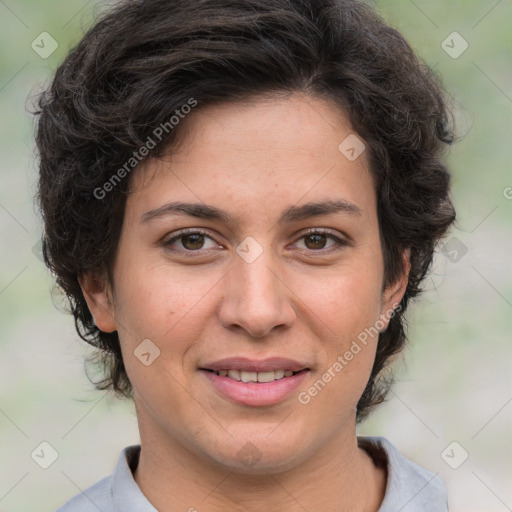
(301, 298)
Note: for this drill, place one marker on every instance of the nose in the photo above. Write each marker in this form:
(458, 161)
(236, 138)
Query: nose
(256, 298)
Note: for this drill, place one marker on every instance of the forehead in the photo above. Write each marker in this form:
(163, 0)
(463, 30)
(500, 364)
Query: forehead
(268, 151)
(273, 128)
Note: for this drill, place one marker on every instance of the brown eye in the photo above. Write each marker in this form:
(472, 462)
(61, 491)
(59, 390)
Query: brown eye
(190, 240)
(317, 241)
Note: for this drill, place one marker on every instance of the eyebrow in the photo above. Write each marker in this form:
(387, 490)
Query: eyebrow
(292, 214)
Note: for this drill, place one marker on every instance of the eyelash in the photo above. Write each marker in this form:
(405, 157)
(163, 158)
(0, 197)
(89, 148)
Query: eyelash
(313, 231)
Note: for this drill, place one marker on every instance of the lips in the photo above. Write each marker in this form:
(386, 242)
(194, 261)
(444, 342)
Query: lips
(255, 394)
(243, 364)
(246, 376)
(251, 382)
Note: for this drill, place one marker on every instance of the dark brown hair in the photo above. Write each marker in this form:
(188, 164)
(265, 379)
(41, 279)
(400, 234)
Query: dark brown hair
(144, 59)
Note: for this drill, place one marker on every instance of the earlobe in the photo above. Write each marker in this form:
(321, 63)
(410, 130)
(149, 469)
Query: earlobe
(392, 296)
(97, 293)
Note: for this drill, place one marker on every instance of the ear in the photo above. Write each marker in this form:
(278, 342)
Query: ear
(98, 295)
(392, 295)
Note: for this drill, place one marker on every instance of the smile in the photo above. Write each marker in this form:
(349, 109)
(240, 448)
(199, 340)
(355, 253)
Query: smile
(249, 376)
(255, 388)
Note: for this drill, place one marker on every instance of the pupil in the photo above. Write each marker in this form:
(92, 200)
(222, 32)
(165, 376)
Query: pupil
(198, 240)
(198, 243)
(316, 237)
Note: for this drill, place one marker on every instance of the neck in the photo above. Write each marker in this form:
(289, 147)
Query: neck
(340, 477)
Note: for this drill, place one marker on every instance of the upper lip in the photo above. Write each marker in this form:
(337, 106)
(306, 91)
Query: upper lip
(254, 365)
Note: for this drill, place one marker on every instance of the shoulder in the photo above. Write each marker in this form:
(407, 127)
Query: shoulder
(116, 492)
(410, 487)
(98, 496)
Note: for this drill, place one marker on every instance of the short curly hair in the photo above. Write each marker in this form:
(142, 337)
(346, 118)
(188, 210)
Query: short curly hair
(144, 59)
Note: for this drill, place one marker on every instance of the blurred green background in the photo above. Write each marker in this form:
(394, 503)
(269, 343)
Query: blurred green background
(454, 381)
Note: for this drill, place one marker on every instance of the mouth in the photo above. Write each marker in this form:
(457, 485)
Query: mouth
(252, 376)
(255, 383)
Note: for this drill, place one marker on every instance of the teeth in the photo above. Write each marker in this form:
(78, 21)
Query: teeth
(244, 376)
(234, 374)
(266, 376)
(248, 376)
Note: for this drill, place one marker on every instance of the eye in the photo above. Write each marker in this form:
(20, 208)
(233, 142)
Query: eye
(315, 240)
(191, 240)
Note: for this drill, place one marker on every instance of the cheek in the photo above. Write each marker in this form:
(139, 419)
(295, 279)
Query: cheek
(155, 301)
(158, 316)
(168, 308)
(346, 313)
(350, 312)
(347, 302)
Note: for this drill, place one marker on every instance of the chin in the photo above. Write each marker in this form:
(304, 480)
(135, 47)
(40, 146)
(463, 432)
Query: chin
(260, 456)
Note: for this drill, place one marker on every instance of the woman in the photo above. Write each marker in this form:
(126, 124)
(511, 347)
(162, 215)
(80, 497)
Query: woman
(240, 199)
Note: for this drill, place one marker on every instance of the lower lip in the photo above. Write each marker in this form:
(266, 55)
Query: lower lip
(256, 393)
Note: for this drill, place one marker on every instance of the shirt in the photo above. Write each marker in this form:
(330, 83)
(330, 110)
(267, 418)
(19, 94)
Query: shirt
(409, 488)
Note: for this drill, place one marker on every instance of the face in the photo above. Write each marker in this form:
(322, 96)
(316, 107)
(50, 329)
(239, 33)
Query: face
(260, 282)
